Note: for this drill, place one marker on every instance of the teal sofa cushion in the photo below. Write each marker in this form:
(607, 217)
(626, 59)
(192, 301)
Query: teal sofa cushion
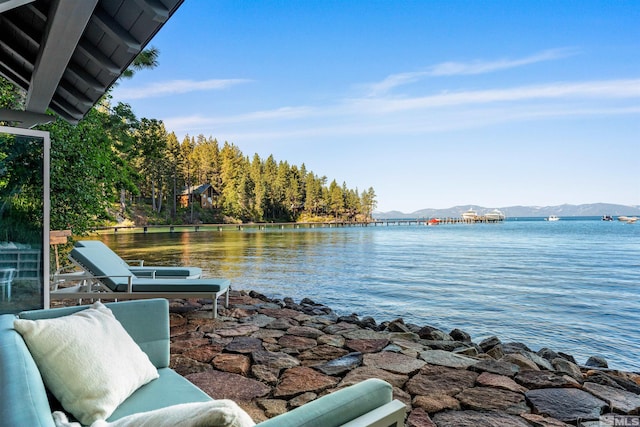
(23, 397)
(169, 389)
(147, 321)
(24, 400)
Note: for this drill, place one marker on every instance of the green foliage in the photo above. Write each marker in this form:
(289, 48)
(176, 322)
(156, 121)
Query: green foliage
(146, 59)
(10, 96)
(87, 169)
(21, 185)
(111, 158)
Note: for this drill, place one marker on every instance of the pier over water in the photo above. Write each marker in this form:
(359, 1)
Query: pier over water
(288, 225)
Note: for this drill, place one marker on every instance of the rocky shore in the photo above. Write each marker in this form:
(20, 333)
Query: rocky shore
(271, 356)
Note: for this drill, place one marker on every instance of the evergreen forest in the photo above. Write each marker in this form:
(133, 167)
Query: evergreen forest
(113, 168)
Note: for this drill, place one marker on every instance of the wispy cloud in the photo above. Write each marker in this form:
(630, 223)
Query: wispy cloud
(277, 115)
(435, 113)
(462, 68)
(174, 87)
(607, 89)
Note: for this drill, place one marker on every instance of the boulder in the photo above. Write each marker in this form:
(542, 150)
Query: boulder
(566, 404)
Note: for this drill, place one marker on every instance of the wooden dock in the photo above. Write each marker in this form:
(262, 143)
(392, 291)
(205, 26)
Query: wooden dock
(437, 221)
(290, 225)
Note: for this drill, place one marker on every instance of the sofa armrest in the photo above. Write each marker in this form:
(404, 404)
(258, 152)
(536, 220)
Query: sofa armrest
(341, 407)
(23, 398)
(389, 415)
(147, 321)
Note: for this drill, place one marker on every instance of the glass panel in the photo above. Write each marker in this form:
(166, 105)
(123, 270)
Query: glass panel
(24, 221)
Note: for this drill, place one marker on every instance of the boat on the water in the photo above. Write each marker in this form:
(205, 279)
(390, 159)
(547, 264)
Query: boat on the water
(494, 215)
(470, 215)
(607, 218)
(628, 219)
(552, 218)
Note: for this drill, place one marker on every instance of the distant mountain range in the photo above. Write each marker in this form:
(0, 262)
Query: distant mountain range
(593, 209)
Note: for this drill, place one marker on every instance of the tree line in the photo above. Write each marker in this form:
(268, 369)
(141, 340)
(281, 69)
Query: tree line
(113, 159)
(246, 188)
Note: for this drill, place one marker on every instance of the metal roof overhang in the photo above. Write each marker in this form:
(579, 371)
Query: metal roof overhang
(66, 54)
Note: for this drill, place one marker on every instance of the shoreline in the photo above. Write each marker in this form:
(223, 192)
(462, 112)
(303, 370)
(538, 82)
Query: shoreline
(271, 356)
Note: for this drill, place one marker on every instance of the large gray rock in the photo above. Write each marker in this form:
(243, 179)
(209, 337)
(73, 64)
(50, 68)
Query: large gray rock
(341, 365)
(620, 401)
(500, 381)
(436, 403)
(301, 379)
(305, 331)
(244, 345)
(322, 353)
(597, 362)
(496, 367)
(544, 379)
(419, 418)
(393, 362)
(488, 343)
(366, 346)
(460, 335)
(491, 399)
(566, 404)
(522, 361)
(541, 421)
(538, 360)
(364, 373)
(224, 385)
(445, 358)
(433, 380)
(566, 367)
(274, 360)
(477, 419)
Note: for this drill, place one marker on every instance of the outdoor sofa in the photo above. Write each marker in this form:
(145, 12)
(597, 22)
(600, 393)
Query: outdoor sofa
(105, 275)
(26, 401)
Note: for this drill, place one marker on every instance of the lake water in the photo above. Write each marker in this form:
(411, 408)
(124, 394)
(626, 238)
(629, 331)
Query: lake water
(571, 285)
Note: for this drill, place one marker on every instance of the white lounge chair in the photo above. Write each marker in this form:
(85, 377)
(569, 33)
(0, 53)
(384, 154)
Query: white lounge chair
(6, 277)
(106, 275)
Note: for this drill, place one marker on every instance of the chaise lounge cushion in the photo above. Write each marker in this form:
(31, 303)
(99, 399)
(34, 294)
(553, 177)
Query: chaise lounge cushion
(87, 360)
(164, 272)
(116, 276)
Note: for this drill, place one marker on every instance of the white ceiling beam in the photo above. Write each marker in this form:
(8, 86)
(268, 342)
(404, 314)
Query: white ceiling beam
(24, 119)
(65, 25)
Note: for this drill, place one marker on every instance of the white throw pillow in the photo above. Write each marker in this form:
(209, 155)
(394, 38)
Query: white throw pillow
(87, 360)
(215, 413)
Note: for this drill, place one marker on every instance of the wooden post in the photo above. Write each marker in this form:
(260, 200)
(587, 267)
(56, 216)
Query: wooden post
(58, 237)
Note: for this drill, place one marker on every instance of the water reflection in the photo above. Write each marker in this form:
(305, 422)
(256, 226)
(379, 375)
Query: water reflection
(571, 288)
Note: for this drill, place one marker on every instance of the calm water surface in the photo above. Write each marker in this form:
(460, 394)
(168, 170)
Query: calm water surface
(571, 286)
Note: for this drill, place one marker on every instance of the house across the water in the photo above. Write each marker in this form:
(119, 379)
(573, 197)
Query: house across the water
(203, 194)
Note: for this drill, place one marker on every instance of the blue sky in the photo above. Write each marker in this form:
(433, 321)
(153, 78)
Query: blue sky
(432, 103)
